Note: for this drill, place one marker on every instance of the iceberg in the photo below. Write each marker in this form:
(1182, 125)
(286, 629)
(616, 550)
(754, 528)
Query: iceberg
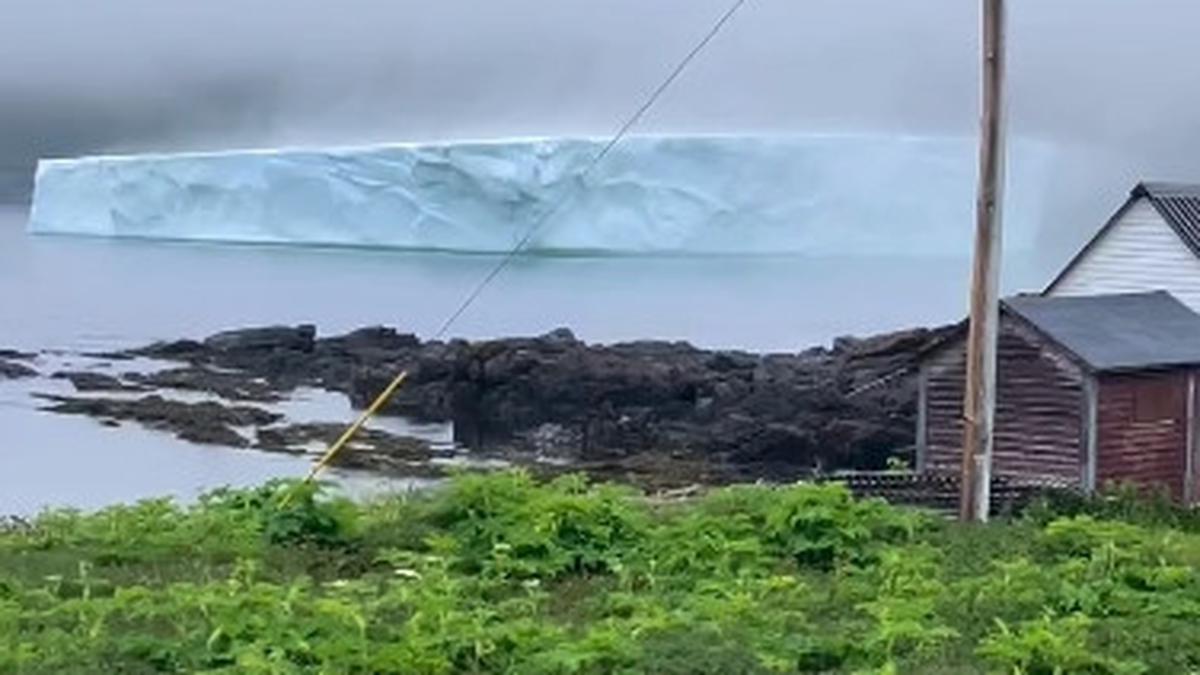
(823, 195)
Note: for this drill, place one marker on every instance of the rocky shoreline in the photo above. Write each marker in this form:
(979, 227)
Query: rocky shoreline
(651, 411)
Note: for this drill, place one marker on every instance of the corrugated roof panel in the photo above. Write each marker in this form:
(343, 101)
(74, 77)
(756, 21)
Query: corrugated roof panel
(1180, 205)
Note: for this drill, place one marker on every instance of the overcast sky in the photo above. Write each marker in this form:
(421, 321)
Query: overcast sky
(1115, 84)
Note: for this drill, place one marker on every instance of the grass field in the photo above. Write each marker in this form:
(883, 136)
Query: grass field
(504, 574)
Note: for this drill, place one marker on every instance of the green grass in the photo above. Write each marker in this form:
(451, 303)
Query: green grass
(505, 574)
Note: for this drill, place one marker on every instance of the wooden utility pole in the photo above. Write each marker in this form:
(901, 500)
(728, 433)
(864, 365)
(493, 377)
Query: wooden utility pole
(979, 400)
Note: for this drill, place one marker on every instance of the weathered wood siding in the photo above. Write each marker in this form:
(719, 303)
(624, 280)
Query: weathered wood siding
(1039, 430)
(1139, 253)
(1142, 434)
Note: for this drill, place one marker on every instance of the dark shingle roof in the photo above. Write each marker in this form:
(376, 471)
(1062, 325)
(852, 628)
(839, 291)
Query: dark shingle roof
(1130, 331)
(1179, 204)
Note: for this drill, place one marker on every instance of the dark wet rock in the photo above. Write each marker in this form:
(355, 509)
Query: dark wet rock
(295, 436)
(268, 339)
(208, 422)
(242, 347)
(16, 355)
(110, 356)
(560, 335)
(10, 370)
(850, 405)
(847, 407)
(283, 355)
(821, 409)
(373, 341)
(180, 350)
(370, 449)
(234, 386)
(86, 380)
(211, 434)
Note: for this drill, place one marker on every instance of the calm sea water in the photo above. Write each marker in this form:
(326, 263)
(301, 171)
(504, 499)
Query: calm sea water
(76, 295)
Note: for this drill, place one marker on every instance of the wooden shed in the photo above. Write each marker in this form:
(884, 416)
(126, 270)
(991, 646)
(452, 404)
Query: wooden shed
(1090, 390)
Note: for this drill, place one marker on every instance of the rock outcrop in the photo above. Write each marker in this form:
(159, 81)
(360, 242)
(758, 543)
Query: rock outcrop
(207, 423)
(850, 406)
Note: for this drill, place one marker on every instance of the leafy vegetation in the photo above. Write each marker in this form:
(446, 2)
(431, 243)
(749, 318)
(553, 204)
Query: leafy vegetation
(503, 574)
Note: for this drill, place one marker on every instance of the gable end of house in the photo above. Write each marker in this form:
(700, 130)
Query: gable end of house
(1151, 243)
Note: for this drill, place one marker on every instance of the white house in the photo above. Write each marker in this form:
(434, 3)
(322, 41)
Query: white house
(1151, 243)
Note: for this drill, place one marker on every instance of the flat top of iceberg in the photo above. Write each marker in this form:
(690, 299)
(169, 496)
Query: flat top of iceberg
(599, 140)
(695, 194)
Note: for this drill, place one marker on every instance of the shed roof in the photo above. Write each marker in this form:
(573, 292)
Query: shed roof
(1128, 331)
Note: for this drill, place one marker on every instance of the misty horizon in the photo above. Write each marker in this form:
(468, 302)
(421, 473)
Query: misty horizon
(134, 76)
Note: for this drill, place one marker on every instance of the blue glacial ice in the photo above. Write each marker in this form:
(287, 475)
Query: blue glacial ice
(848, 194)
